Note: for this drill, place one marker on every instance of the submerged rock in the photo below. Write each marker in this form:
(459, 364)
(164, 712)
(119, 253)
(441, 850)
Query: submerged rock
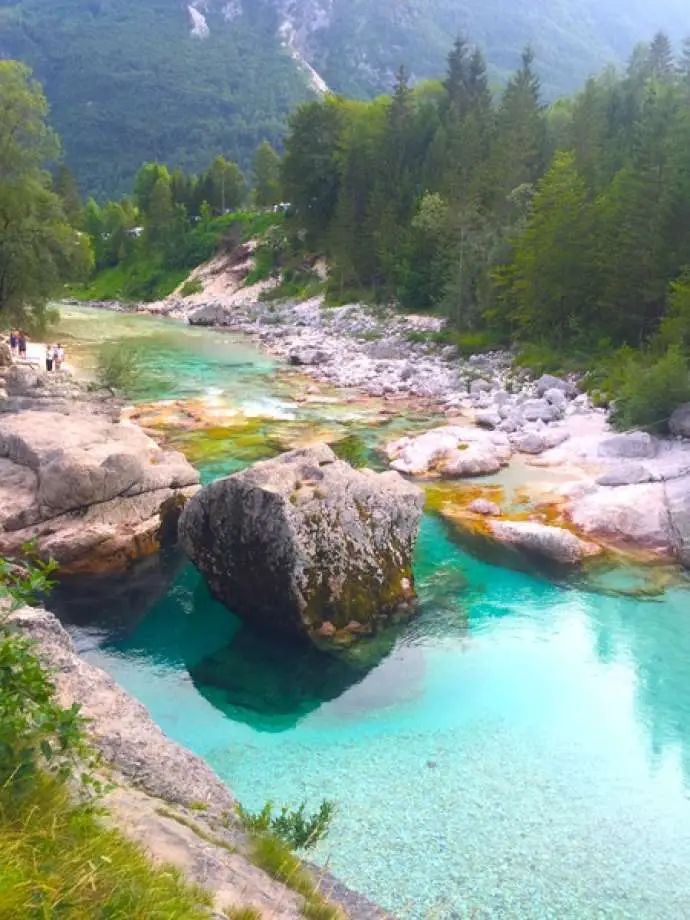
(303, 540)
(552, 543)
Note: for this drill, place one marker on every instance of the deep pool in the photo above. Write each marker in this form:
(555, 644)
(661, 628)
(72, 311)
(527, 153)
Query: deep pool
(521, 751)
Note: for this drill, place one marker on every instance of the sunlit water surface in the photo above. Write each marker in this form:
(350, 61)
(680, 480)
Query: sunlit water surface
(521, 751)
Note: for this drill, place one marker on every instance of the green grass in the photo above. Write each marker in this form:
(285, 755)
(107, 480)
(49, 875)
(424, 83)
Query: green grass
(277, 860)
(194, 286)
(195, 828)
(243, 913)
(136, 280)
(58, 860)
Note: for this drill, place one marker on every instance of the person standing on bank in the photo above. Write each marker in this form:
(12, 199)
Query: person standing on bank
(59, 356)
(21, 344)
(14, 340)
(50, 352)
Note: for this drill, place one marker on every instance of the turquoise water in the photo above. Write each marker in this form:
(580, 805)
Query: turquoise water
(521, 751)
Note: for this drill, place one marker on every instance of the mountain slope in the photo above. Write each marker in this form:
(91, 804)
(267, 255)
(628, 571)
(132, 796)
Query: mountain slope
(135, 80)
(131, 80)
(356, 45)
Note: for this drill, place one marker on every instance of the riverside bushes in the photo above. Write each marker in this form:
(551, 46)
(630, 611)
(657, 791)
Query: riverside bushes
(649, 391)
(119, 366)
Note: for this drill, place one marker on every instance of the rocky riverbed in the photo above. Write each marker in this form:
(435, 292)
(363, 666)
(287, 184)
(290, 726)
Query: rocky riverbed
(628, 491)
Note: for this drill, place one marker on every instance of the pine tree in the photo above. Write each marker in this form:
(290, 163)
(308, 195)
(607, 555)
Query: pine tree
(266, 175)
(520, 149)
(660, 59)
(66, 187)
(552, 279)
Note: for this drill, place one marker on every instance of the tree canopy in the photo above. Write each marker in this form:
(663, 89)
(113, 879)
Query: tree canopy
(38, 247)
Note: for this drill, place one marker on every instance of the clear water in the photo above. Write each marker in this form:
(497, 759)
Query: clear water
(521, 751)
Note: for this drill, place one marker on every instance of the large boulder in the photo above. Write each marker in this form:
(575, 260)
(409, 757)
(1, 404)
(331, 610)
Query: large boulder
(95, 493)
(678, 502)
(679, 423)
(636, 514)
(634, 445)
(548, 382)
(451, 452)
(304, 546)
(553, 543)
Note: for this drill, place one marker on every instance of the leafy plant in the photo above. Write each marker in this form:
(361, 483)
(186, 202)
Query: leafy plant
(25, 582)
(292, 826)
(648, 394)
(119, 366)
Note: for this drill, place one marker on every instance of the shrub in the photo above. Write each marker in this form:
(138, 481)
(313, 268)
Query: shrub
(649, 392)
(119, 365)
(291, 826)
(192, 286)
(25, 582)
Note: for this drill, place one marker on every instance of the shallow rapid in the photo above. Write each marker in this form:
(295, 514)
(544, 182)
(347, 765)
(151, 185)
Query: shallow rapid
(521, 749)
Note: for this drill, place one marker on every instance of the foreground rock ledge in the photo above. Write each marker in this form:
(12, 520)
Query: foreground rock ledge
(305, 546)
(96, 493)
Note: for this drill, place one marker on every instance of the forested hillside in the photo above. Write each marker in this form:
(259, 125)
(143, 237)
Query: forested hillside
(357, 45)
(568, 226)
(128, 82)
(136, 80)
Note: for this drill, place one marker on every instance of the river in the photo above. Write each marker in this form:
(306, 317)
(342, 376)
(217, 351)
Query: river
(522, 750)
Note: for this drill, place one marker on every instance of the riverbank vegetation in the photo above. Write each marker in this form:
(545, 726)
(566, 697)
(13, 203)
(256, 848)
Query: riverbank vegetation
(145, 245)
(57, 858)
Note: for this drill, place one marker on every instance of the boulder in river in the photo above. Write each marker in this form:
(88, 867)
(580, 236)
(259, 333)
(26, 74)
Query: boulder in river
(553, 543)
(304, 546)
(451, 452)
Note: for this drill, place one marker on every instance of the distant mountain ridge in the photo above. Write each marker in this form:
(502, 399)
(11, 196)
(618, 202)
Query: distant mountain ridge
(131, 80)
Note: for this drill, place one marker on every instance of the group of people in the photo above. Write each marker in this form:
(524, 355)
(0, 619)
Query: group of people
(55, 355)
(18, 343)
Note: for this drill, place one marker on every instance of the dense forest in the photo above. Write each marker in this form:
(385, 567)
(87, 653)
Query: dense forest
(567, 224)
(127, 83)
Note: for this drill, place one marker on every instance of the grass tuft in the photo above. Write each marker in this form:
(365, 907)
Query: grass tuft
(243, 913)
(59, 860)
